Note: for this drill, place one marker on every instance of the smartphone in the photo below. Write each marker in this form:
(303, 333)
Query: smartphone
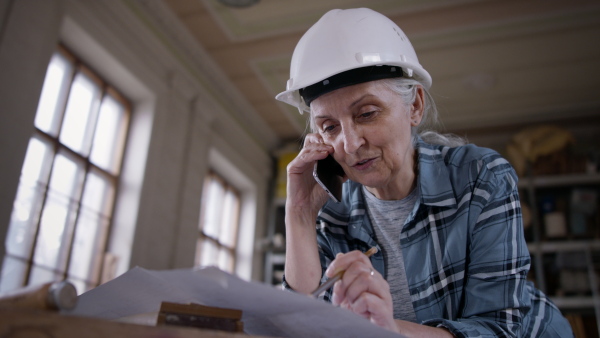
(330, 175)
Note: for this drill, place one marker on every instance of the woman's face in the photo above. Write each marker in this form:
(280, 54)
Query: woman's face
(369, 127)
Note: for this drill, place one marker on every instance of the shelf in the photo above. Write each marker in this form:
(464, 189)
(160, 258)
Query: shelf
(561, 246)
(559, 180)
(544, 266)
(277, 258)
(575, 302)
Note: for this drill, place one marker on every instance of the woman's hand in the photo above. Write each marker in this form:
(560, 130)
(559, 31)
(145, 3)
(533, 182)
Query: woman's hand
(304, 199)
(304, 196)
(362, 290)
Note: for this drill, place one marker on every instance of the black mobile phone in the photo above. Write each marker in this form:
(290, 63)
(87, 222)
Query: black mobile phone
(330, 175)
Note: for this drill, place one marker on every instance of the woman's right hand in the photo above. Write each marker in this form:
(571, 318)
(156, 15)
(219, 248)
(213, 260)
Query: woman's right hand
(304, 199)
(304, 196)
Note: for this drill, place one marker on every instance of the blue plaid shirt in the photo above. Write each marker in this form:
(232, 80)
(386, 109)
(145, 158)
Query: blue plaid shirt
(465, 255)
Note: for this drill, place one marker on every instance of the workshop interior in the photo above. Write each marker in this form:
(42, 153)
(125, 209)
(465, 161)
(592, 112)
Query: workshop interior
(179, 161)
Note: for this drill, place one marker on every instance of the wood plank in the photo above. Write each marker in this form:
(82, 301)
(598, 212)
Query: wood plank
(21, 323)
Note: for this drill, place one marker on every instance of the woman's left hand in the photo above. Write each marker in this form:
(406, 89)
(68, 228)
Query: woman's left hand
(362, 289)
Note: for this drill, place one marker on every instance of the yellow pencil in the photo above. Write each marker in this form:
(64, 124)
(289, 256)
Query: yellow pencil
(329, 283)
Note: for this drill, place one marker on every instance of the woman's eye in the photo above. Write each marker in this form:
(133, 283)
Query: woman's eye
(366, 115)
(328, 128)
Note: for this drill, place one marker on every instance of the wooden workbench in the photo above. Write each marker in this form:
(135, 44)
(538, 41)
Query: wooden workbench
(34, 324)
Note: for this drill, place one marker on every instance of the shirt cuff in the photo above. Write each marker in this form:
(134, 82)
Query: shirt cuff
(448, 325)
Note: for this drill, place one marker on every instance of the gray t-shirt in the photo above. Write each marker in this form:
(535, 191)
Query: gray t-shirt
(388, 218)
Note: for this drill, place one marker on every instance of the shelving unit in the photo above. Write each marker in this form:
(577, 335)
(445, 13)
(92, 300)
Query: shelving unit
(566, 268)
(274, 248)
(275, 252)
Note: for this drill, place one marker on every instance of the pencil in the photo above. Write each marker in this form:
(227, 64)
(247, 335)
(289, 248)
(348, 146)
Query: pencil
(329, 283)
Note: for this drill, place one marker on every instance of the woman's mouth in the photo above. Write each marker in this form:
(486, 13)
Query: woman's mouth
(364, 164)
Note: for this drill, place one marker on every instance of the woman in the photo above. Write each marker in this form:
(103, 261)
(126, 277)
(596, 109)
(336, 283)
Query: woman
(446, 219)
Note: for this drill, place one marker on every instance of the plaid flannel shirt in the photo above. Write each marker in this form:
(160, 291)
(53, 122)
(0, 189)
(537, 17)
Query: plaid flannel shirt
(465, 255)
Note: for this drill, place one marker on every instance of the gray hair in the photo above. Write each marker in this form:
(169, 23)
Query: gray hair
(407, 89)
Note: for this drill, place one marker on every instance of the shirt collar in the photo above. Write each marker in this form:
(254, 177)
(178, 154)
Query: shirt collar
(434, 179)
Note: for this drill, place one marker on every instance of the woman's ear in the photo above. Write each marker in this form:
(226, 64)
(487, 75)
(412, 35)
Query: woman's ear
(417, 107)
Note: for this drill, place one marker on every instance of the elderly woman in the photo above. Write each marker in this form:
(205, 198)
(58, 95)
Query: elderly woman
(446, 218)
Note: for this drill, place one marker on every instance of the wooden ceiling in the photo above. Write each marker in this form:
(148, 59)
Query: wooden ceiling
(494, 62)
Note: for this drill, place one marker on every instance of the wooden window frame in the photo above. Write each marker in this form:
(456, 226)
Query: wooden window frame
(54, 143)
(203, 236)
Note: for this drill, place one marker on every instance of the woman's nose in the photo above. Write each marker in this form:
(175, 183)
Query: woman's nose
(353, 139)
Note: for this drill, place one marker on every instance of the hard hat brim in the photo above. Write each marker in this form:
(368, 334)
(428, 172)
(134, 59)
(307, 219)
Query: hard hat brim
(292, 95)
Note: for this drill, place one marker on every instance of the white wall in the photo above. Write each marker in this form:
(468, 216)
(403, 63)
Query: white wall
(27, 40)
(176, 125)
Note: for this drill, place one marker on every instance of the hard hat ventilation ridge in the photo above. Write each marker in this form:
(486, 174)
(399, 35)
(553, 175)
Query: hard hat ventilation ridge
(348, 78)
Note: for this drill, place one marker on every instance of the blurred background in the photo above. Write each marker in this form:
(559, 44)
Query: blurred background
(146, 133)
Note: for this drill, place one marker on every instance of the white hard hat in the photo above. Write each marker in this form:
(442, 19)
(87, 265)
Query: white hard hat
(348, 40)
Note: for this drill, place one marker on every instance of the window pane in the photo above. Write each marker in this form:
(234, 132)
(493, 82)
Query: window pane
(53, 95)
(41, 275)
(88, 245)
(60, 210)
(13, 273)
(36, 166)
(28, 202)
(209, 253)
(80, 116)
(225, 260)
(212, 208)
(109, 137)
(91, 229)
(99, 193)
(229, 219)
